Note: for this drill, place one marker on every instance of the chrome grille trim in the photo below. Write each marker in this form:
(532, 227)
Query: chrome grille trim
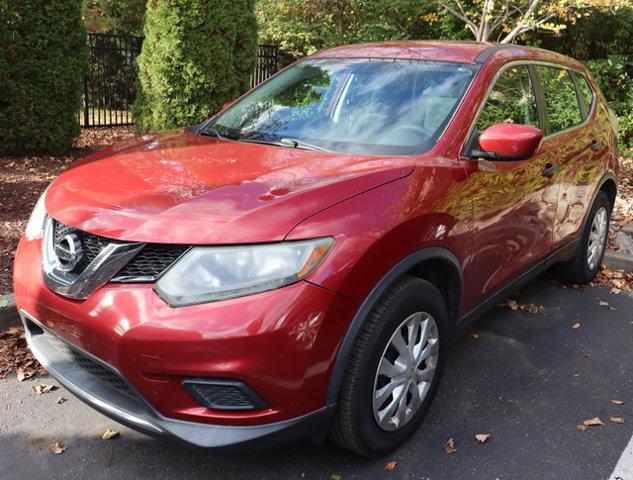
(99, 271)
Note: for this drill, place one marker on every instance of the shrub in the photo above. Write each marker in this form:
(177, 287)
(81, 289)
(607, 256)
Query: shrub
(196, 56)
(42, 60)
(615, 78)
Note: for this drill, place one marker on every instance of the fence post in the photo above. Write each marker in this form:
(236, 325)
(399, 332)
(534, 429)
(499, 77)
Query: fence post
(86, 116)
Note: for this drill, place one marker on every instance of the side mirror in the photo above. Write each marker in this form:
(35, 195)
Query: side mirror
(508, 141)
(228, 104)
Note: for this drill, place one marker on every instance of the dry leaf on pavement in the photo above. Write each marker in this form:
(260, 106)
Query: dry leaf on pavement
(576, 325)
(474, 335)
(390, 466)
(60, 400)
(617, 402)
(525, 307)
(42, 388)
(449, 446)
(606, 305)
(482, 437)
(593, 422)
(582, 427)
(57, 448)
(617, 420)
(109, 434)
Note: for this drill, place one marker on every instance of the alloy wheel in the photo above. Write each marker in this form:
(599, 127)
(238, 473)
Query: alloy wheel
(405, 371)
(597, 238)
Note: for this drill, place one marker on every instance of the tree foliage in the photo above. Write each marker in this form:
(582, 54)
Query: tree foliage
(196, 56)
(42, 59)
(115, 16)
(504, 21)
(304, 27)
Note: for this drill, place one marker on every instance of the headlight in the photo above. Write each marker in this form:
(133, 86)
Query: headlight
(36, 220)
(208, 274)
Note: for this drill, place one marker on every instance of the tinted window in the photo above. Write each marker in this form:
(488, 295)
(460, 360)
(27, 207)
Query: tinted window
(359, 106)
(585, 90)
(563, 109)
(511, 100)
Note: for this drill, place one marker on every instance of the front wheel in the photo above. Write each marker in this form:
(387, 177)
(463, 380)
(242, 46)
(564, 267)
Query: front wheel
(584, 266)
(394, 369)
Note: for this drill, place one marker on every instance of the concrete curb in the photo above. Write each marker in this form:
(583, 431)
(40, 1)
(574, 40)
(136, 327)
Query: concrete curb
(9, 316)
(618, 261)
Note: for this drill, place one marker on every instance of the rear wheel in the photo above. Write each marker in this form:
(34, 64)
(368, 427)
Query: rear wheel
(584, 266)
(394, 369)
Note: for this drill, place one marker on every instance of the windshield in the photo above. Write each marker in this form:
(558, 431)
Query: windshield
(357, 106)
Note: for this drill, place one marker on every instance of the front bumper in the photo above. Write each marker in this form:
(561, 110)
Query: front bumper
(104, 389)
(282, 344)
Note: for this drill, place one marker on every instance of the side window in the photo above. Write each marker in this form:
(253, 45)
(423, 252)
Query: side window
(586, 92)
(563, 109)
(511, 100)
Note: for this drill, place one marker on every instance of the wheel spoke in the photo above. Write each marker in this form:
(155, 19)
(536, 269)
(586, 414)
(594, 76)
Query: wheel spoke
(389, 369)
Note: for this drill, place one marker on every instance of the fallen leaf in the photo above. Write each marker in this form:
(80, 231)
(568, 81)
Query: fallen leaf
(390, 466)
(526, 307)
(42, 388)
(57, 448)
(606, 305)
(474, 335)
(449, 446)
(60, 400)
(581, 427)
(617, 420)
(21, 375)
(482, 437)
(617, 402)
(593, 422)
(109, 434)
(576, 325)
(511, 304)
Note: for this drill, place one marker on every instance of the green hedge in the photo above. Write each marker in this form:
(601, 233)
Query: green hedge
(615, 78)
(43, 57)
(197, 55)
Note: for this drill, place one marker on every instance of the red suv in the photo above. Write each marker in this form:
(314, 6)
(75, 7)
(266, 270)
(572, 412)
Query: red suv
(299, 263)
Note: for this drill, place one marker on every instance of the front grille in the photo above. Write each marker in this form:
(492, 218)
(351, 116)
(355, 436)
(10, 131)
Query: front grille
(146, 266)
(150, 262)
(85, 362)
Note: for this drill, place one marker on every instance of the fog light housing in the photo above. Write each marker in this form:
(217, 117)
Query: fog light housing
(224, 394)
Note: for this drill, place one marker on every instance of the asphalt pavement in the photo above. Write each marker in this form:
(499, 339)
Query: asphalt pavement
(528, 381)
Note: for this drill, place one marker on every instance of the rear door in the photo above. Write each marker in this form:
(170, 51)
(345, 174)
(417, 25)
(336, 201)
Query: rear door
(573, 141)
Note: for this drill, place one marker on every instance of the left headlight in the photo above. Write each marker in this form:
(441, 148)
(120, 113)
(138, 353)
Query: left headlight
(209, 274)
(35, 224)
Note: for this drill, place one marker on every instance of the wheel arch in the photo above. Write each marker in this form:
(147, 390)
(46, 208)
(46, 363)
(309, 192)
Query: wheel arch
(437, 265)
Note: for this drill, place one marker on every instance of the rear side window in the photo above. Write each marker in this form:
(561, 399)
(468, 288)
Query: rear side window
(511, 100)
(585, 91)
(561, 100)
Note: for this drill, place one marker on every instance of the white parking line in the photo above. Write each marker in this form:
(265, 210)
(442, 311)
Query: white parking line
(624, 468)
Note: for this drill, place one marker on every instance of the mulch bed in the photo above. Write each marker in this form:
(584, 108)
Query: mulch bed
(23, 179)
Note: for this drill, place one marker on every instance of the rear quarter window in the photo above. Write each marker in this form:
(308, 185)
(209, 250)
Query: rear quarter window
(586, 92)
(561, 99)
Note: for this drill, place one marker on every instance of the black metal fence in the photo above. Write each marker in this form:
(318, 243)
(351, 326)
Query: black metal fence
(266, 64)
(109, 86)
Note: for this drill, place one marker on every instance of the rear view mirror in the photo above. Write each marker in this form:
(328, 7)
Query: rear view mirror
(508, 141)
(228, 104)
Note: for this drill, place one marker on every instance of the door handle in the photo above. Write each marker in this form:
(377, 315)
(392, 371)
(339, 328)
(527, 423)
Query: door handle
(550, 170)
(596, 145)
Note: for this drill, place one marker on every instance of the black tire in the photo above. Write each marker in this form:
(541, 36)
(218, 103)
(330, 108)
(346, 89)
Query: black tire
(576, 269)
(354, 426)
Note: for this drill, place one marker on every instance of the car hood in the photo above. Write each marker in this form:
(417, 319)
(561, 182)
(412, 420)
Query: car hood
(178, 187)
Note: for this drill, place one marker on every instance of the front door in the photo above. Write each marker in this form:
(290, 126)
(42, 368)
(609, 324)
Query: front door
(514, 203)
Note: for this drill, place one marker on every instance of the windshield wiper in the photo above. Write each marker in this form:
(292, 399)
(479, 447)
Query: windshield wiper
(293, 142)
(212, 132)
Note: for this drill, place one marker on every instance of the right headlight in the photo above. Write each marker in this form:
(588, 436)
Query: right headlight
(35, 224)
(208, 274)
